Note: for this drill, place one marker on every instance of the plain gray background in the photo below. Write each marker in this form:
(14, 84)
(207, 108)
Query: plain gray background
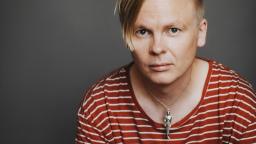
(52, 50)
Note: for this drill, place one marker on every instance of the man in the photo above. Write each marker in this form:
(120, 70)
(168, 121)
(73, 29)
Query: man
(167, 94)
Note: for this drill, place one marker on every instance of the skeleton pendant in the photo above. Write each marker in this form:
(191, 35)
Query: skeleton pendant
(167, 123)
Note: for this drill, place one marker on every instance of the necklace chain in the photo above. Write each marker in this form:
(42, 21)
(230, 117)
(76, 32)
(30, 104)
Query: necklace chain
(162, 103)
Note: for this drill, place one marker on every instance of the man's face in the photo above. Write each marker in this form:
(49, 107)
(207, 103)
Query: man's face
(165, 39)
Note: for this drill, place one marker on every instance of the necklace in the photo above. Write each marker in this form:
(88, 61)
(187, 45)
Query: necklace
(167, 118)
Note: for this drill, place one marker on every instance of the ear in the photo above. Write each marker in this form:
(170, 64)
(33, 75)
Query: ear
(202, 33)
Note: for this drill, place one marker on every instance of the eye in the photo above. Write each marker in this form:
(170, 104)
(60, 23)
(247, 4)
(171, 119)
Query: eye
(142, 33)
(174, 30)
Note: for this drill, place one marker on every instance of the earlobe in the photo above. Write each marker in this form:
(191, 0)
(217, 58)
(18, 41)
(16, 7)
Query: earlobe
(202, 33)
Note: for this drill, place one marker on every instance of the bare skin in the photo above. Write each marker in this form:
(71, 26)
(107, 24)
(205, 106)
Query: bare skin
(166, 38)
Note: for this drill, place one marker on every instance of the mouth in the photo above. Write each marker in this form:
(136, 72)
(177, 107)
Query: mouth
(161, 67)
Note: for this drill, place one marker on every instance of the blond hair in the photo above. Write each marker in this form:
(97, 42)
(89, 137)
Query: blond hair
(128, 11)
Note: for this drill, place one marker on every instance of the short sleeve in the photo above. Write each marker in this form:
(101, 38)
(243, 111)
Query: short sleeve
(87, 133)
(249, 135)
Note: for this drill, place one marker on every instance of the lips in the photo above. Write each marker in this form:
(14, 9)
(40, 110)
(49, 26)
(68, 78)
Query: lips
(160, 67)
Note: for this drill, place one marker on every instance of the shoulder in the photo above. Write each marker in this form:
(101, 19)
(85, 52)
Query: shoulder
(96, 97)
(232, 88)
(225, 77)
(94, 113)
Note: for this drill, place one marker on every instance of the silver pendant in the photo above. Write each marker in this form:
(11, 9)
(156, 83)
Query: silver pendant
(167, 123)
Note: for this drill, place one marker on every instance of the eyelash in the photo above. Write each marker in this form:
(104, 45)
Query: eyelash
(142, 32)
(175, 30)
(145, 32)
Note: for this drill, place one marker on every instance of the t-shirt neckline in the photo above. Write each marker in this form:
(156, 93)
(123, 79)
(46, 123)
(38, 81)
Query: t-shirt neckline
(183, 120)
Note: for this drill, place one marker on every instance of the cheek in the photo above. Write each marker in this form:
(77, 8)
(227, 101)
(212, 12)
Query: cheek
(140, 50)
(183, 47)
(140, 44)
(139, 56)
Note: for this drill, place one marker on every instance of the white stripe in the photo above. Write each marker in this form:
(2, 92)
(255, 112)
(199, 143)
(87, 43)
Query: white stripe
(240, 108)
(116, 111)
(233, 137)
(227, 94)
(239, 81)
(232, 129)
(220, 109)
(104, 105)
(199, 134)
(224, 75)
(116, 78)
(110, 132)
(143, 139)
(127, 118)
(201, 127)
(110, 85)
(96, 94)
(118, 97)
(109, 91)
(81, 141)
(253, 130)
(121, 104)
(117, 91)
(107, 126)
(220, 88)
(200, 120)
(247, 97)
(251, 137)
(91, 133)
(229, 100)
(103, 112)
(102, 121)
(92, 104)
(135, 131)
(222, 81)
(81, 135)
(130, 124)
(228, 87)
(224, 70)
(116, 84)
(95, 109)
(208, 125)
(157, 140)
(118, 117)
(130, 138)
(232, 121)
(124, 111)
(203, 140)
(87, 125)
(97, 141)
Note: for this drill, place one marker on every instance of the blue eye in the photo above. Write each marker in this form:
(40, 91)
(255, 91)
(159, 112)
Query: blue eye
(174, 30)
(142, 33)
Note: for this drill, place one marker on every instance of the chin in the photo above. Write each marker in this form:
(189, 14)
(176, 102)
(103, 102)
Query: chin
(162, 79)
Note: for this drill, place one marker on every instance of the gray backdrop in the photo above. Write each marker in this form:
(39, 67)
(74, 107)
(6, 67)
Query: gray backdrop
(51, 50)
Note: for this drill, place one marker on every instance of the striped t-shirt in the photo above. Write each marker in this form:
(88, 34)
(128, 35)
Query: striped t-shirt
(226, 113)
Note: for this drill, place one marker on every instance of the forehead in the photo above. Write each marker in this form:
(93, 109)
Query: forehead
(166, 11)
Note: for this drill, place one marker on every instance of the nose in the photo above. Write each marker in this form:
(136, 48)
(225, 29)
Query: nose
(157, 46)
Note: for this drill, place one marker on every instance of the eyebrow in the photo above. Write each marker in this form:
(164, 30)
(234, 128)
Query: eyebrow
(165, 26)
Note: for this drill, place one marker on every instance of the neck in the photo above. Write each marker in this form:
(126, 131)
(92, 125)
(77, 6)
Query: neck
(168, 93)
